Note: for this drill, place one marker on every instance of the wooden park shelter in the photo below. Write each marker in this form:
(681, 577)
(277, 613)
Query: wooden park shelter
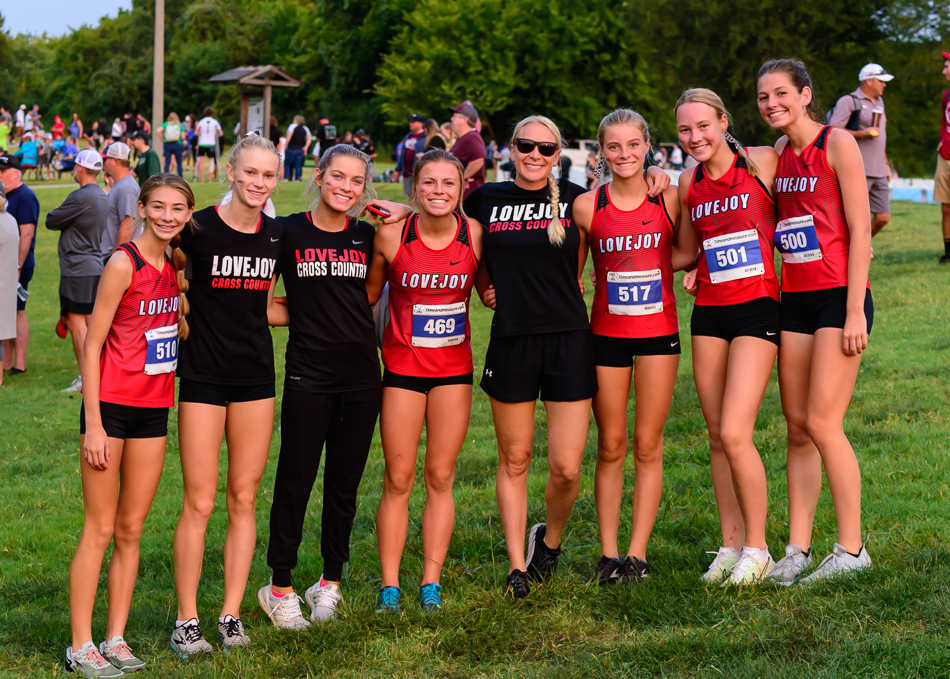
(252, 79)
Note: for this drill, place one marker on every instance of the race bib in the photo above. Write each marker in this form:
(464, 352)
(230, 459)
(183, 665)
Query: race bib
(161, 355)
(438, 325)
(634, 293)
(797, 240)
(734, 256)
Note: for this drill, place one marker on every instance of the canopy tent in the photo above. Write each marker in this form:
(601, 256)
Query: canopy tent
(250, 78)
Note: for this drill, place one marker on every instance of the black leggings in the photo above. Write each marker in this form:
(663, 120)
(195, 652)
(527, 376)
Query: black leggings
(345, 422)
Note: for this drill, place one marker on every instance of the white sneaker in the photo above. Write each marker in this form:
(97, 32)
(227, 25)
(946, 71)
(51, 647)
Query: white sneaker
(283, 611)
(117, 652)
(88, 662)
(75, 385)
(790, 567)
(323, 598)
(754, 565)
(839, 562)
(188, 640)
(726, 559)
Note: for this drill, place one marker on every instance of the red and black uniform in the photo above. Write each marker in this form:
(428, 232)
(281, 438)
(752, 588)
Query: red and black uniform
(813, 238)
(428, 340)
(634, 311)
(541, 342)
(137, 366)
(228, 356)
(332, 388)
(734, 220)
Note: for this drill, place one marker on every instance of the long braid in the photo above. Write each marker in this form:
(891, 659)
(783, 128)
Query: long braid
(178, 263)
(555, 227)
(601, 173)
(751, 167)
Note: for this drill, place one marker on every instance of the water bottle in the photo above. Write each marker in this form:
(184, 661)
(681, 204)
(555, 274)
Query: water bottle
(21, 292)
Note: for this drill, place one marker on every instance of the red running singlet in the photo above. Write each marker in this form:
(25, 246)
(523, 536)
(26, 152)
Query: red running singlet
(734, 220)
(429, 290)
(138, 361)
(632, 252)
(812, 234)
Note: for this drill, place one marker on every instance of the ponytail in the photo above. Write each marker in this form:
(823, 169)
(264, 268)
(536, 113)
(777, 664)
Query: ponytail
(739, 149)
(178, 264)
(555, 227)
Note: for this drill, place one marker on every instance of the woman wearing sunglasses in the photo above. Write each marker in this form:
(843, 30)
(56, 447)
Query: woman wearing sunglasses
(541, 341)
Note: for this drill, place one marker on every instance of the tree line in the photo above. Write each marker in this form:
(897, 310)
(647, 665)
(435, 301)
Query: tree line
(369, 63)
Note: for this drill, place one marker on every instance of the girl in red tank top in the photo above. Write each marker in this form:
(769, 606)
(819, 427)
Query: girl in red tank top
(635, 246)
(128, 365)
(735, 322)
(824, 236)
(430, 263)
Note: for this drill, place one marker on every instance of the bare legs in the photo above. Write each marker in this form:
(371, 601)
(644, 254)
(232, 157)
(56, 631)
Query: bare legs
(445, 412)
(15, 349)
(568, 422)
(654, 380)
(817, 381)
(248, 427)
(115, 504)
(730, 380)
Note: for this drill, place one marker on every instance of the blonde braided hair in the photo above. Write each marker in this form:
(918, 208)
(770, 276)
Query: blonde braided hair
(556, 232)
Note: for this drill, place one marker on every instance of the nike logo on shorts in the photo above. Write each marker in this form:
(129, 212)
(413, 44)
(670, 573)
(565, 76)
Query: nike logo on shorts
(673, 344)
(357, 242)
(275, 240)
(770, 334)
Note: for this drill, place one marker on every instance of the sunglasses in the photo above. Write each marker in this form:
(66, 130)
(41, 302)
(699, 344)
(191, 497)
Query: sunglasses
(545, 148)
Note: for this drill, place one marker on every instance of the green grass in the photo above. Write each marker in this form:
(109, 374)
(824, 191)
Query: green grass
(891, 622)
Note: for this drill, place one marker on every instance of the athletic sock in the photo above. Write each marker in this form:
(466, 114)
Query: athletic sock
(221, 618)
(856, 556)
(179, 623)
(946, 248)
(275, 593)
(806, 552)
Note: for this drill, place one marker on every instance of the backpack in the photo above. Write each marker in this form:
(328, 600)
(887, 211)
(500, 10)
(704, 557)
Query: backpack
(172, 132)
(854, 120)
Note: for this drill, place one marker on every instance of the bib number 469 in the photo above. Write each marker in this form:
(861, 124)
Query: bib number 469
(440, 326)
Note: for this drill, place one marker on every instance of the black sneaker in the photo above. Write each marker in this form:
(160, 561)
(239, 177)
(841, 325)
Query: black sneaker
(609, 571)
(542, 560)
(943, 260)
(517, 584)
(635, 569)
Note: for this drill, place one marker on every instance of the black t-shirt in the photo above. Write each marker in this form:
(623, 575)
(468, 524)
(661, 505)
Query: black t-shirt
(536, 288)
(229, 272)
(326, 133)
(332, 344)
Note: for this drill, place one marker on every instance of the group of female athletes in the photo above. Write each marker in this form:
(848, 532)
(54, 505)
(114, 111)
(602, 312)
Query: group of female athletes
(523, 246)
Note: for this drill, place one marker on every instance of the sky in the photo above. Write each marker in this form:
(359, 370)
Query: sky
(56, 17)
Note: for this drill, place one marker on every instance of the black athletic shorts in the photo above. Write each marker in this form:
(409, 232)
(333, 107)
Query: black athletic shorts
(558, 366)
(207, 151)
(195, 391)
(805, 312)
(618, 352)
(26, 275)
(77, 294)
(758, 318)
(423, 384)
(129, 422)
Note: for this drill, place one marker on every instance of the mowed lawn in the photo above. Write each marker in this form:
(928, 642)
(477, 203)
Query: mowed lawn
(890, 622)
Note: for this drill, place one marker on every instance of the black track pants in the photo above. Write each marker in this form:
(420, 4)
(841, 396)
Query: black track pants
(345, 422)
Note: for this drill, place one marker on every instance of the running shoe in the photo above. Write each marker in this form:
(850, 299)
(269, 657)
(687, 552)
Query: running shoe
(518, 584)
(635, 569)
(542, 560)
(839, 563)
(388, 600)
(61, 329)
(88, 662)
(790, 567)
(753, 567)
(283, 611)
(323, 598)
(609, 570)
(117, 652)
(75, 385)
(430, 598)
(188, 640)
(721, 567)
(231, 632)
(944, 260)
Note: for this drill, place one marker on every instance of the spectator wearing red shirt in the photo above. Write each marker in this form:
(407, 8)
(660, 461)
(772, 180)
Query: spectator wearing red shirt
(469, 147)
(58, 129)
(942, 175)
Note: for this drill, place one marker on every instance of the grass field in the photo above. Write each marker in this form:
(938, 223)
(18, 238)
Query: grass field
(891, 622)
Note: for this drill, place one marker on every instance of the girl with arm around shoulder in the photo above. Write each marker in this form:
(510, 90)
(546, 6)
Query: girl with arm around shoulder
(128, 365)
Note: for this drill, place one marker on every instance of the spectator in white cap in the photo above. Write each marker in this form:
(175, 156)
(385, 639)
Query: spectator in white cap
(869, 127)
(942, 175)
(80, 220)
(123, 199)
